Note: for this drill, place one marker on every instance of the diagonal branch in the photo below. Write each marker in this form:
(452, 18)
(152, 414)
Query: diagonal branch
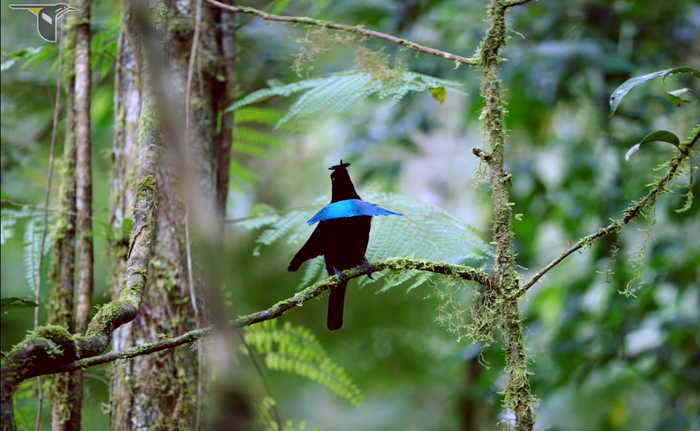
(629, 214)
(349, 28)
(281, 307)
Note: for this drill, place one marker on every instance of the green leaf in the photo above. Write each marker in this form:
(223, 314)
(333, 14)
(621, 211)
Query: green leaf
(295, 349)
(438, 94)
(3, 195)
(14, 302)
(19, 55)
(40, 55)
(279, 7)
(658, 136)
(684, 69)
(621, 91)
(675, 96)
(339, 92)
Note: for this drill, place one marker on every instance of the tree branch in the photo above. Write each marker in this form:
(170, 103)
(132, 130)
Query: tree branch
(50, 347)
(629, 213)
(281, 307)
(352, 29)
(517, 392)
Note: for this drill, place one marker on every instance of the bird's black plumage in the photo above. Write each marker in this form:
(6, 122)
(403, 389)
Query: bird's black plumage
(342, 241)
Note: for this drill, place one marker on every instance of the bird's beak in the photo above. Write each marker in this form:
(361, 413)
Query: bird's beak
(70, 9)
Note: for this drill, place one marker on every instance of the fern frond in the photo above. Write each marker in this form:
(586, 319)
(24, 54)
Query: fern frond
(31, 253)
(275, 90)
(7, 224)
(313, 271)
(259, 137)
(268, 419)
(340, 92)
(279, 7)
(31, 239)
(252, 136)
(294, 349)
(281, 227)
(424, 232)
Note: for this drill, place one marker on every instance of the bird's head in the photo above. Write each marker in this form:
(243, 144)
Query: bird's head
(342, 188)
(339, 170)
(62, 9)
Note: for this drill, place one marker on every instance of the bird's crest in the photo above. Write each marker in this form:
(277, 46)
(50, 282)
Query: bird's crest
(339, 167)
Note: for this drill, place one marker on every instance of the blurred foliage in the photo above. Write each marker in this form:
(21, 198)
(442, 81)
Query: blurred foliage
(600, 360)
(294, 349)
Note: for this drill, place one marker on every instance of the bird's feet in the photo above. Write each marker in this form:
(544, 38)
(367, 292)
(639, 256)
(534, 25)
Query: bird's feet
(341, 275)
(369, 267)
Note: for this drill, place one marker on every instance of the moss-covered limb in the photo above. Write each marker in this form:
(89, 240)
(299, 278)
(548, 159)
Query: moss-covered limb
(116, 313)
(50, 348)
(630, 213)
(283, 306)
(461, 271)
(352, 29)
(42, 352)
(518, 395)
(517, 392)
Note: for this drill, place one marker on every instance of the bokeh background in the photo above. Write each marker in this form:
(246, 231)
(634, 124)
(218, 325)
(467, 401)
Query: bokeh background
(600, 360)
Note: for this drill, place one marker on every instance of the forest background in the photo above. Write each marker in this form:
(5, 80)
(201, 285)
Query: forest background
(600, 359)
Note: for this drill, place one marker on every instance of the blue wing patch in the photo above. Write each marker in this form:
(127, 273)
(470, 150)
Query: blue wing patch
(349, 208)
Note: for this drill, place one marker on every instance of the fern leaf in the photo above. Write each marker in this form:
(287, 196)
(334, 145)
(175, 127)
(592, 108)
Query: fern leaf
(340, 92)
(259, 137)
(32, 239)
(279, 7)
(425, 232)
(251, 114)
(313, 271)
(8, 220)
(251, 138)
(294, 349)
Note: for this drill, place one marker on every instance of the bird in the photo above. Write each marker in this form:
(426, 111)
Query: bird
(46, 17)
(341, 237)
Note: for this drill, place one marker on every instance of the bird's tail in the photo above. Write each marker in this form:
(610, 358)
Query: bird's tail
(336, 304)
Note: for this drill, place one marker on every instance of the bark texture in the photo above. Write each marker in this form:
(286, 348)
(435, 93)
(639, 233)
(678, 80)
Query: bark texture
(160, 391)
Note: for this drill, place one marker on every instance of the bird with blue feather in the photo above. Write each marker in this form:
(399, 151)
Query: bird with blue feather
(341, 237)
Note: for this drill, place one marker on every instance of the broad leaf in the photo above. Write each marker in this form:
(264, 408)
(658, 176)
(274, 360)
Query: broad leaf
(438, 94)
(658, 136)
(626, 86)
(675, 96)
(13, 302)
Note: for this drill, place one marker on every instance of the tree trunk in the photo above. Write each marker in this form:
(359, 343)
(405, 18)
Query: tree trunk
(160, 391)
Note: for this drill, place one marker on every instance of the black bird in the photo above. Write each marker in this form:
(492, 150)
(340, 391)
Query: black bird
(46, 17)
(341, 237)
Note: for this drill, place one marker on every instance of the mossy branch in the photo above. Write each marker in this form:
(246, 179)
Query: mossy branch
(349, 28)
(48, 349)
(517, 392)
(629, 213)
(278, 309)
